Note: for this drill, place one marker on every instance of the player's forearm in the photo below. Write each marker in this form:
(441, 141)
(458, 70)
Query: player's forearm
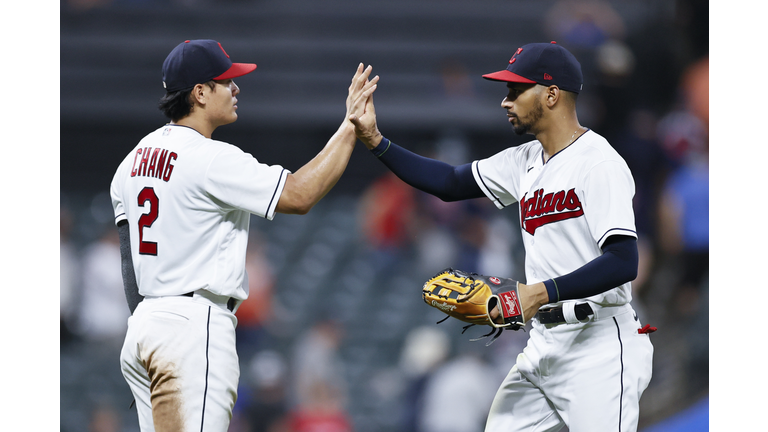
(305, 187)
(445, 181)
(616, 266)
(130, 286)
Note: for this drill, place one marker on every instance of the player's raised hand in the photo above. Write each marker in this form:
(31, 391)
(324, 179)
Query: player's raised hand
(360, 89)
(366, 128)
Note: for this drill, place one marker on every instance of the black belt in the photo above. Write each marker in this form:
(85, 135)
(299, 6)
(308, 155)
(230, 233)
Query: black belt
(555, 315)
(230, 303)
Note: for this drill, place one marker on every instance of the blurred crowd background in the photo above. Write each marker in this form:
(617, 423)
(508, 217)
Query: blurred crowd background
(335, 336)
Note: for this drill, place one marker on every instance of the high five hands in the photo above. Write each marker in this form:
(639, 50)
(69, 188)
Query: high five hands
(360, 109)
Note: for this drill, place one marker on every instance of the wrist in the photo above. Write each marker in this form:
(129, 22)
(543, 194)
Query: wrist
(374, 141)
(381, 148)
(538, 294)
(553, 293)
(347, 126)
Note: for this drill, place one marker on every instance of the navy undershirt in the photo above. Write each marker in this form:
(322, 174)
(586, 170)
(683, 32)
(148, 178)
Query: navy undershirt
(616, 266)
(445, 181)
(130, 286)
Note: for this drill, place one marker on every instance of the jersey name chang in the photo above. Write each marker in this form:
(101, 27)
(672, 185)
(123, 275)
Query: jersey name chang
(188, 201)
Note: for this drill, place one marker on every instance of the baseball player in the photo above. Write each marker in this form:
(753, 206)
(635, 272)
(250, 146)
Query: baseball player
(588, 359)
(182, 204)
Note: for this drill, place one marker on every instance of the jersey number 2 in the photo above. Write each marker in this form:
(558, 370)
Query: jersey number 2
(147, 219)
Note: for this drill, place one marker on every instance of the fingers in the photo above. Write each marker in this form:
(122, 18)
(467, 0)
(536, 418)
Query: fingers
(370, 87)
(362, 113)
(358, 72)
(371, 83)
(369, 107)
(360, 89)
(360, 108)
(361, 77)
(365, 74)
(361, 102)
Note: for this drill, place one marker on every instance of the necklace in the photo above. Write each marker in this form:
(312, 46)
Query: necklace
(572, 136)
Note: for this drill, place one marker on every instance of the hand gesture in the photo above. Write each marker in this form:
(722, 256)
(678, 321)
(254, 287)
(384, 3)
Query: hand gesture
(363, 116)
(360, 91)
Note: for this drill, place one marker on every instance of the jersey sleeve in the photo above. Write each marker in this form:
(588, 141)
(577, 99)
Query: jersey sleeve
(608, 191)
(239, 180)
(115, 192)
(498, 176)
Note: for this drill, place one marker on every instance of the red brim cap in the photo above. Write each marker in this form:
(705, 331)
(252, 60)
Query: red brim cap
(507, 76)
(237, 69)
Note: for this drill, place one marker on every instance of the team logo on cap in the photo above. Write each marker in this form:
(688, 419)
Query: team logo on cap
(547, 76)
(495, 280)
(512, 60)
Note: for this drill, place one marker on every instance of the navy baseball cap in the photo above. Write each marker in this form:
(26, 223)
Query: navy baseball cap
(199, 61)
(542, 63)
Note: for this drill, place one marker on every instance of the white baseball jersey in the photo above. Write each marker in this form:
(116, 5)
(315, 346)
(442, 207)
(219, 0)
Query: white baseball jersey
(587, 375)
(188, 201)
(568, 205)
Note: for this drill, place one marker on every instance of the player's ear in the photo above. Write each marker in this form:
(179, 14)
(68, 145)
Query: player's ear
(552, 94)
(198, 94)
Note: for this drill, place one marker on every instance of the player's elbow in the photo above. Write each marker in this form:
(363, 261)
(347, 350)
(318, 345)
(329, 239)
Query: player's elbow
(294, 205)
(626, 270)
(633, 274)
(296, 198)
(302, 209)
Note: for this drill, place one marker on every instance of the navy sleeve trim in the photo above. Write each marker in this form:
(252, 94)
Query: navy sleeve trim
(617, 231)
(552, 291)
(382, 148)
(274, 194)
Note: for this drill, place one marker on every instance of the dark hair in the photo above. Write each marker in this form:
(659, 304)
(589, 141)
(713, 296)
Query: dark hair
(177, 105)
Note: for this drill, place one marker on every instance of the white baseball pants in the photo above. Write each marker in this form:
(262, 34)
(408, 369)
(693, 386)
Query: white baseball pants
(180, 361)
(588, 376)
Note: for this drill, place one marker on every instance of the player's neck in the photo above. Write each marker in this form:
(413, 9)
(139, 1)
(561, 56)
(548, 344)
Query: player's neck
(204, 128)
(557, 138)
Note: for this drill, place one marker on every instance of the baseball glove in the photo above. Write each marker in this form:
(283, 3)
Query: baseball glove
(470, 297)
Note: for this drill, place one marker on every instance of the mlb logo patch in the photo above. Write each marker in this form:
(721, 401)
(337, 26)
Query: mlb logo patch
(167, 131)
